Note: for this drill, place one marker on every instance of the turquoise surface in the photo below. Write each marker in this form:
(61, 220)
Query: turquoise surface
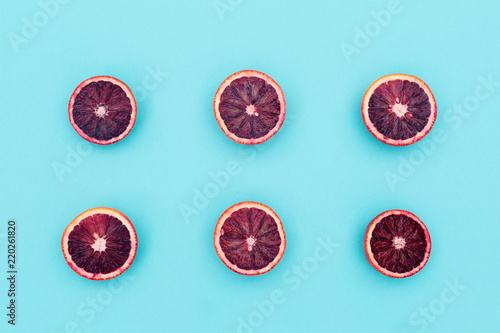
(323, 173)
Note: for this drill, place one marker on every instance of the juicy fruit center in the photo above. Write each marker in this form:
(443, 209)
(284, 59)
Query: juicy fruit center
(251, 110)
(250, 239)
(99, 244)
(398, 243)
(250, 242)
(399, 109)
(249, 107)
(102, 110)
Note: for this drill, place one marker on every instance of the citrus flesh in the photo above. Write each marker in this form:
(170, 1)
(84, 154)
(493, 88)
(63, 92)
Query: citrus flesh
(249, 107)
(249, 238)
(397, 243)
(399, 109)
(102, 110)
(100, 243)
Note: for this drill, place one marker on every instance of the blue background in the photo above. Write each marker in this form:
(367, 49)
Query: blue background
(323, 173)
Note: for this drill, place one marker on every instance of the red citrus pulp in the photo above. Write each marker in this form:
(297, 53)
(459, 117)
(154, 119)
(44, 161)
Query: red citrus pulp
(397, 243)
(100, 243)
(399, 109)
(249, 238)
(249, 107)
(102, 110)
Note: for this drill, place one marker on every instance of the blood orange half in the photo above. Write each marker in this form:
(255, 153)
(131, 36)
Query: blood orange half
(249, 107)
(249, 238)
(100, 243)
(399, 109)
(102, 110)
(397, 243)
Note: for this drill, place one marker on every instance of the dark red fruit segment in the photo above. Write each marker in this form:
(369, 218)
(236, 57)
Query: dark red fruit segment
(398, 243)
(399, 109)
(250, 238)
(250, 107)
(99, 244)
(102, 110)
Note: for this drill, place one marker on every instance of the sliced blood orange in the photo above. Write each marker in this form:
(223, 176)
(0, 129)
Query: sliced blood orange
(399, 109)
(102, 110)
(100, 243)
(249, 107)
(249, 238)
(397, 243)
